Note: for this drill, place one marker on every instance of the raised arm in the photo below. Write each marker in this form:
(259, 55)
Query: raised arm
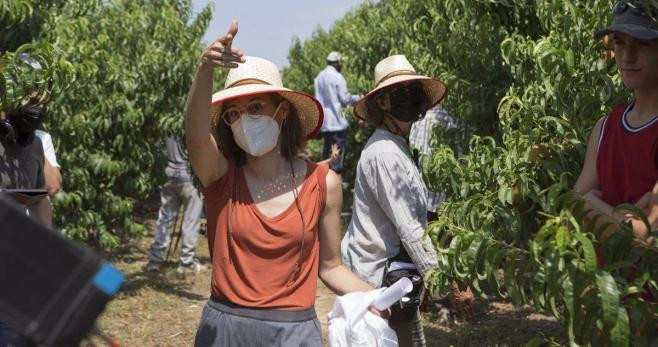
(207, 160)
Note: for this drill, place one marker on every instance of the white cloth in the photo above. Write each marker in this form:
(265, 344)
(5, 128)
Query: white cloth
(352, 325)
(331, 91)
(48, 148)
(389, 211)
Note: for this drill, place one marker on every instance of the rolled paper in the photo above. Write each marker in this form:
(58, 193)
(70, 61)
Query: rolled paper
(392, 294)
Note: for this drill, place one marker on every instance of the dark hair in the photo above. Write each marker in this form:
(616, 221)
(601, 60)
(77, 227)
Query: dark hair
(292, 139)
(375, 113)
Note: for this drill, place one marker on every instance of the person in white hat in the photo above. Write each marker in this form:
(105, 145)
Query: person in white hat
(273, 219)
(390, 202)
(331, 91)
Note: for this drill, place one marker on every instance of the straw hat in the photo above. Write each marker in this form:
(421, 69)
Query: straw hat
(397, 69)
(259, 76)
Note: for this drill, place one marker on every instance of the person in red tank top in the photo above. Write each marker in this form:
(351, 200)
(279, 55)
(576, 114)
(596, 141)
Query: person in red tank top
(621, 163)
(273, 219)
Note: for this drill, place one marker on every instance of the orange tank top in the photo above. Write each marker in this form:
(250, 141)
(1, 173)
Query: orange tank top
(253, 267)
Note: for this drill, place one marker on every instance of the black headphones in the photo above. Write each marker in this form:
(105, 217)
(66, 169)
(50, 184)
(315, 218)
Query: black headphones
(7, 132)
(20, 124)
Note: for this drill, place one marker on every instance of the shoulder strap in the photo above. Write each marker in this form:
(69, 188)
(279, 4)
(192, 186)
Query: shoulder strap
(612, 118)
(321, 172)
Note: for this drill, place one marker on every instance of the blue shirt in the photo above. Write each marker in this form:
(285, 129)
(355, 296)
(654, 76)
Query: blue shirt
(331, 91)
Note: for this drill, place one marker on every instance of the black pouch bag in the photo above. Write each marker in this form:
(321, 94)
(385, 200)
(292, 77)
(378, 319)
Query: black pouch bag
(405, 309)
(51, 288)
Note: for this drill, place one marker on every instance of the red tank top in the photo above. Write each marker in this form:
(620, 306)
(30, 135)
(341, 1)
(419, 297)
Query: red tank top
(627, 159)
(253, 268)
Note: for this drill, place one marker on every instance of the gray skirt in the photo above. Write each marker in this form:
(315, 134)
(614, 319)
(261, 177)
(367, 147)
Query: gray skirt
(226, 324)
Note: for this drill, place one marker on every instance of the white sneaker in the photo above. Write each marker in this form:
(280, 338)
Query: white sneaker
(195, 266)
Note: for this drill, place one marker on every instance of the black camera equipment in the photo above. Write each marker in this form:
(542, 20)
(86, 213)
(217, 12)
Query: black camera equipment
(52, 289)
(402, 266)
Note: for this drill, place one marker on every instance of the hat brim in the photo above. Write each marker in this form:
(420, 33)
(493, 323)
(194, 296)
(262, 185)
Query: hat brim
(636, 31)
(435, 90)
(308, 108)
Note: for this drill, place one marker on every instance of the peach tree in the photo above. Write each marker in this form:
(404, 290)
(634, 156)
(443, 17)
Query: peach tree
(119, 73)
(527, 82)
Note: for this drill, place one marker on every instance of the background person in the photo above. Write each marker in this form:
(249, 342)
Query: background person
(420, 137)
(22, 167)
(390, 201)
(331, 91)
(51, 167)
(177, 192)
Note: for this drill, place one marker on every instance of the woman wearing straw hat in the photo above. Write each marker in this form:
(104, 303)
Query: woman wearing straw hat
(390, 208)
(273, 219)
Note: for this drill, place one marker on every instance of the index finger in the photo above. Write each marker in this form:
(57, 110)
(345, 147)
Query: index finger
(227, 39)
(230, 34)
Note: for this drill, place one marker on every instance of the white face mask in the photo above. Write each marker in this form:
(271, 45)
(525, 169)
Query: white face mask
(256, 134)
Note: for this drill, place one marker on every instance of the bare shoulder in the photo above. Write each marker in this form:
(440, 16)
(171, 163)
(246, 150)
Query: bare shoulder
(595, 134)
(334, 190)
(333, 181)
(597, 127)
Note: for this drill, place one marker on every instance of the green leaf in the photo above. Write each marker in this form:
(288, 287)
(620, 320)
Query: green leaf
(562, 238)
(609, 296)
(619, 335)
(590, 253)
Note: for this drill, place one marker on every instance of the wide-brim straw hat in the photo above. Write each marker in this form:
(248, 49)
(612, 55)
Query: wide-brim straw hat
(397, 69)
(260, 76)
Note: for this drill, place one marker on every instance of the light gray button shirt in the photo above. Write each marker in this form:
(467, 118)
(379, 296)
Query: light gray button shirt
(420, 137)
(390, 210)
(331, 91)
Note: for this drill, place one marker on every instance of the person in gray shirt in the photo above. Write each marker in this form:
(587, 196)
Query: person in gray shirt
(389, 215)
(22, 160)
(22, 152)
(178, 191)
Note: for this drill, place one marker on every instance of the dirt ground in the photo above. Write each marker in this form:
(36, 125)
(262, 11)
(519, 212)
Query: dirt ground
(164, 309)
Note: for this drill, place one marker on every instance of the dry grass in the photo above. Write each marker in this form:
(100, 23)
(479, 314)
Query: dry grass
(164, 310)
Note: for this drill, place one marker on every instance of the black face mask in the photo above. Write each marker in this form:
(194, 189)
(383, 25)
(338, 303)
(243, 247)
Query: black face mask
(408, 102)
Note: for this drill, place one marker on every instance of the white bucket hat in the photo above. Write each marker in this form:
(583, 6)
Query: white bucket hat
(334, 57)
(260, 76)
(397, 69)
